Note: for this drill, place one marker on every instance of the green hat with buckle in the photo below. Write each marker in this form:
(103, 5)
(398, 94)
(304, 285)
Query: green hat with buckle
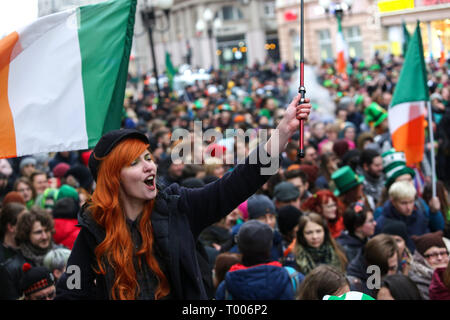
(394, 165)
(345, 179)
(375, 114)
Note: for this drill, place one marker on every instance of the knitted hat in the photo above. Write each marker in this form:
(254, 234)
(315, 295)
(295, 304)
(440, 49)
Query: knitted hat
(394, 165)
(254, 237)
(82, 175)
(243, 208)
(340, 147)
(13, 196)
(312, 171)
(428, 240)
(285, 192)
(375, 114)
(66, 208)
(35, 279)
(107, 142)
(345, 179)
(259, 205)
(60, 169)
(26, 161)
(287, 218)
(67, 191)
(351, 295)
(396, 228)
(49, 193)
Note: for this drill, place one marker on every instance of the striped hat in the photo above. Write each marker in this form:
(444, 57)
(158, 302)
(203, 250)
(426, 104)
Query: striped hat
(351, 295)
(35, 279)
(394, 165)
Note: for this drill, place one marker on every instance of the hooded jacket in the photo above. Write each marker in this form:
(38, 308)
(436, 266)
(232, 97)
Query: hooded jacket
(416, 223)
(276, 252)
(178, 217)
(66, 223)
(260, 282)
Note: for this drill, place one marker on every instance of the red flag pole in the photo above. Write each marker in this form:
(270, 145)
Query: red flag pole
(301, 89)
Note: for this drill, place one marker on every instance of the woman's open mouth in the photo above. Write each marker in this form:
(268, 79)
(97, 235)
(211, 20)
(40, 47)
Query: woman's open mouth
(150, 182)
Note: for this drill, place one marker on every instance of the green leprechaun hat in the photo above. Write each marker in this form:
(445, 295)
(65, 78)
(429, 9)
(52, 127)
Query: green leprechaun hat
(345, 179)
(394, 165)
(375, 114)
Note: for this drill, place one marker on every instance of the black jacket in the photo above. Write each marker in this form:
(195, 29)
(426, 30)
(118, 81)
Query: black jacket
(351, 244)
(178, 217)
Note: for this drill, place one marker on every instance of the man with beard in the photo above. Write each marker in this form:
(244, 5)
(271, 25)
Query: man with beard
(371, 166)
(34, 239)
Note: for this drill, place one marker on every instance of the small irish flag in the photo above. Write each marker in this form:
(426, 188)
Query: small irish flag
(406, 114)
(442, 52)
(341, 50)
(63, 77)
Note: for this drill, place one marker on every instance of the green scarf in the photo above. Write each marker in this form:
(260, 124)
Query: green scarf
(308, 258)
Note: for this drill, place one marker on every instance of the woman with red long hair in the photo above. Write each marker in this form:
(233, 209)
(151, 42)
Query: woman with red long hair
(325, 203)
(138, 240)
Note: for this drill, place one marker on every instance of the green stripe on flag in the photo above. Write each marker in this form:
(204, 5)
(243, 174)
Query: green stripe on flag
(105, 35)
(412, 83)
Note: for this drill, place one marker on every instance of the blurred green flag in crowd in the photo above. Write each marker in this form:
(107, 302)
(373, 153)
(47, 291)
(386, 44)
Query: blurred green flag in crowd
(407, 109)
(406, 38)
(170, 70)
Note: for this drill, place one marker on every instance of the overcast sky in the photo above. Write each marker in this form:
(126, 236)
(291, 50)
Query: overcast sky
(16, 13)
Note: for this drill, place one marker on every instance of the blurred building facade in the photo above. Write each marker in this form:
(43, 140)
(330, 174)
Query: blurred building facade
(252, 31)
(368, 27)
(247, 34)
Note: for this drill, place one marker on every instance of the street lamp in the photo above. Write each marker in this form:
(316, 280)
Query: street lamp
(209, 24)
(337, 8)
(149, 19)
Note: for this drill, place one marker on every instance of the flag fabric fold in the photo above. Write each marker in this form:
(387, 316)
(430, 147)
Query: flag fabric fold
(406, 38)
(63, 78)
(406, 114)
(170, 70)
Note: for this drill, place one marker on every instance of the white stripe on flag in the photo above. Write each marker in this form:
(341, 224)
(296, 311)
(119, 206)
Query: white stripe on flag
(403, 113)
(43, 70)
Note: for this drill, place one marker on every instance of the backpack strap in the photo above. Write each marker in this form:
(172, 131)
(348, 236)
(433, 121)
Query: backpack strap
(293, 275)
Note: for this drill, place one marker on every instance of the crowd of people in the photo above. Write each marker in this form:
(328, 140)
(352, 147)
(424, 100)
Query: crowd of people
(320, 227)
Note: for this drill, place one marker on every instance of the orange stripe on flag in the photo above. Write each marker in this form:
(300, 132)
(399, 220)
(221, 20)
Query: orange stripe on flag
(7, 132)
(410, 138)
(341, 65)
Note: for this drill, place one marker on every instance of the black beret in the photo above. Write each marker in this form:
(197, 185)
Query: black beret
(107, 142)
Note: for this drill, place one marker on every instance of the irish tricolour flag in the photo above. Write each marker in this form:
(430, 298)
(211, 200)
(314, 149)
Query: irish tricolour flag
(406, 114)
(63, 77)
(341, 50)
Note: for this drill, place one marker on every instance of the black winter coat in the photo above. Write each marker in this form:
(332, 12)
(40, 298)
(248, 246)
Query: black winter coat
(178, 217)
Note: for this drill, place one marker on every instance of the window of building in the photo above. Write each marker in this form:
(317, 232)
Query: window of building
(269, 9)
(352, 36)
(230, 13)
(325, 44)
